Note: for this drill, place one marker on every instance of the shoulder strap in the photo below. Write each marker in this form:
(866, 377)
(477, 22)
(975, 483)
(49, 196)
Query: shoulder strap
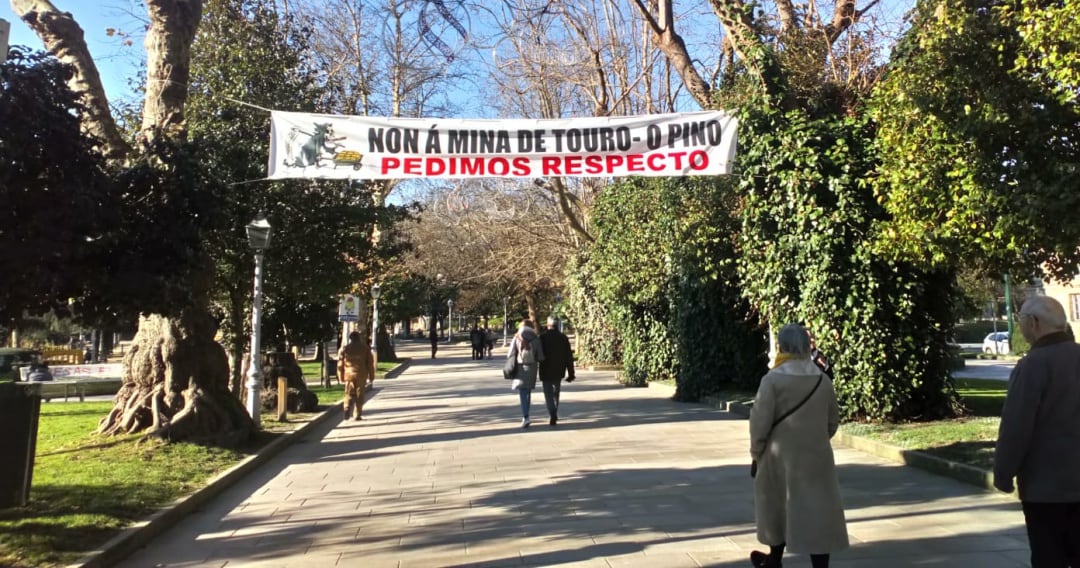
(798, 406)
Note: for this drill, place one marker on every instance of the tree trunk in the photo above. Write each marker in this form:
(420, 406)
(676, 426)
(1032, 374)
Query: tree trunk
(168, 66)
(176, 385)
(237, 343)
(383, 348)
(530, 301)
(63, 37)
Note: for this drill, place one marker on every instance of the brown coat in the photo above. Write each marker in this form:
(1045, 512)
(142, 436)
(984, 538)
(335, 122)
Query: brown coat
(356, 364)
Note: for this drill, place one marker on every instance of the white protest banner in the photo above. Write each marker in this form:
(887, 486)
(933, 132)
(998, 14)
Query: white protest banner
(360, 147)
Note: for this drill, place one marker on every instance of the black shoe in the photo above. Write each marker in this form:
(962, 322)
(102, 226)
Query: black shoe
(761, 560)
(553, 422)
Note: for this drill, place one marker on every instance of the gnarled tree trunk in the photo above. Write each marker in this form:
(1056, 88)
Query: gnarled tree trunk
(176, 385)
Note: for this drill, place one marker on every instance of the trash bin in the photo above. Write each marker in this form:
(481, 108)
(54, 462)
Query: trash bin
(20, 406)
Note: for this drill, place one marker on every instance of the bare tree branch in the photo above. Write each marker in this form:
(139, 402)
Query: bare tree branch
(843, 17)
(168, 66)
(674, 47)
(64, 38)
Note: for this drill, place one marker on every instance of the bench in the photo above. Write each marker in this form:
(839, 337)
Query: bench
(75, 387)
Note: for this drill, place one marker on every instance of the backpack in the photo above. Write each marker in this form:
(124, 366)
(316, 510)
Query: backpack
(526, 356)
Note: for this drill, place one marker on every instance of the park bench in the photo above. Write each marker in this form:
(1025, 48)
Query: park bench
(80, 387)
(80, 380)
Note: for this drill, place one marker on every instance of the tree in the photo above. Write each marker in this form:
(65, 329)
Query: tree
(979, 122)
(248, 51)
(176, 375)
(808, 216)
(486, 233)
(53, 209)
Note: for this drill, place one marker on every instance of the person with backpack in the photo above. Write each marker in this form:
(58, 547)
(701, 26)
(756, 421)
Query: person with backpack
(527, 352)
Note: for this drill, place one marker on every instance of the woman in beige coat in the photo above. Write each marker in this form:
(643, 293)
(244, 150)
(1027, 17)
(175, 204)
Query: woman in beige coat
(796, 491)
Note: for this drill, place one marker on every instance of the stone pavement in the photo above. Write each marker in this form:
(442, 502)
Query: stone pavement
(439, 473)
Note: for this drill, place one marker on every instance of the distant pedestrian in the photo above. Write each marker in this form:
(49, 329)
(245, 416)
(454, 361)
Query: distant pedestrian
(356, 368)
(817, 356)
(1039, 435)
(433, 336)
(528, 352)
(477, 340)
(796, 490)
(39, 372)
(558, 363)
(489, 340)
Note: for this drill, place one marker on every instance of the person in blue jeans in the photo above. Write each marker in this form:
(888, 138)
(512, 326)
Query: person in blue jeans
(558, 363)
(528, 352)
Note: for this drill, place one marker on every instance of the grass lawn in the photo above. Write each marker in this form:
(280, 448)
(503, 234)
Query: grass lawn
(313, 369)
(967, 440)
(86, 488)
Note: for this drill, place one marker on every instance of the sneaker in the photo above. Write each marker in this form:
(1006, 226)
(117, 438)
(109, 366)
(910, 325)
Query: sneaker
(525, 422)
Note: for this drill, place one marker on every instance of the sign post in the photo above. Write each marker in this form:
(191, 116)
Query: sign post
(348, 312)
(5, 33)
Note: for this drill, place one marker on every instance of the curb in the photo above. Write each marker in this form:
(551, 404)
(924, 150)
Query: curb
(965, 473)
(136, 536)
(971, 475)
(399, 369)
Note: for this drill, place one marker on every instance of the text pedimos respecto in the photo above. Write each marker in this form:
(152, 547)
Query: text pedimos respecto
(573, 151)
(701, 143)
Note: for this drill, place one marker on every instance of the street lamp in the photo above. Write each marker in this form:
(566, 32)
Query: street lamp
(450, 321)
(375, 293)
(505, 323)
(258, 234)
(558, 320)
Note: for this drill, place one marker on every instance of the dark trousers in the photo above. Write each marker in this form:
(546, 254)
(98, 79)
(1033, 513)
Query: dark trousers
(1054, 534)
(551, 397)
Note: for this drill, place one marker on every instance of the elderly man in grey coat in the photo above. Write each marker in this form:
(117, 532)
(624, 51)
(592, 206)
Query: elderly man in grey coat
(1039, 437)
(796, 490)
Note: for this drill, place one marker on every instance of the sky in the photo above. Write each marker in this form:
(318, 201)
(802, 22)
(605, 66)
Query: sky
(116, 62)
(119, 63)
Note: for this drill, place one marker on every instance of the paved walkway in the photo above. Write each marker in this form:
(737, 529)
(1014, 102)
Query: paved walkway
(985, 369)
(439, 473)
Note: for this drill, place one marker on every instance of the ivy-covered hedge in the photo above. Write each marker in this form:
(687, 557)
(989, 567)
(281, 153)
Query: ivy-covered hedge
(598, 342)
(664, 279)
(807, 254)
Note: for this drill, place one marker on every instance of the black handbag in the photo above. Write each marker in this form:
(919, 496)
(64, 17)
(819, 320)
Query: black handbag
(510, 368)
(753, 463)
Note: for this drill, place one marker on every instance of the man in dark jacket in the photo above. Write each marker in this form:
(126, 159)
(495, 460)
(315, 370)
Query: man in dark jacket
(558, 363)
(1039, 436)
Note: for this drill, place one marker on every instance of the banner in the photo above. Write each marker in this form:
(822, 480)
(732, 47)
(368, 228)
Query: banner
(359, 147)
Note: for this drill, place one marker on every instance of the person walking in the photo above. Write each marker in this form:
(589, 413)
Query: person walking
(558, 363)
(433, 336)
(527, 350)
(476, 340)
(796, 490)
(1039, 435)
(356, 368)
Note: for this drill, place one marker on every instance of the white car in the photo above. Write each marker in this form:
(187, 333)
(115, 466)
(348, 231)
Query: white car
(996, 343)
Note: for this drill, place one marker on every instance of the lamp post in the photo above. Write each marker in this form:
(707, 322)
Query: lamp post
(450, 320)
(558, 302)
(375, 293)
(505, 323)
(258, 233)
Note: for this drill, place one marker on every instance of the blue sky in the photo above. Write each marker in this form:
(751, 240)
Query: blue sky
(116, 62)
(119, 63)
